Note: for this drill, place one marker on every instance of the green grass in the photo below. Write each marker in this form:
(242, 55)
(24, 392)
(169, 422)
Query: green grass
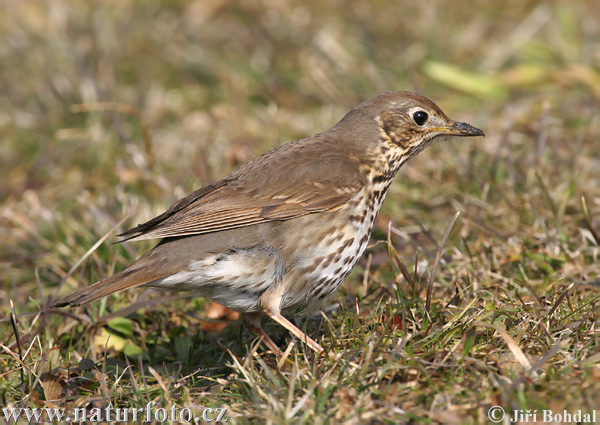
(196, 89)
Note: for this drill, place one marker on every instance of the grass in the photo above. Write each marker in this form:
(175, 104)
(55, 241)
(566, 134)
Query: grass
(113, 110)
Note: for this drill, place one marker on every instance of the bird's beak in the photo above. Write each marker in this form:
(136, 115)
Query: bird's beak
(463, 129)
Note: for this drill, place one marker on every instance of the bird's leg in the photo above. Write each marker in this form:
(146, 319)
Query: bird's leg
(270, 303)
(314, 345)
(253, 323)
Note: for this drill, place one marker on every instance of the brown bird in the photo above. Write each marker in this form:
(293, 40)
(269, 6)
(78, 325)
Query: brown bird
(285, 229)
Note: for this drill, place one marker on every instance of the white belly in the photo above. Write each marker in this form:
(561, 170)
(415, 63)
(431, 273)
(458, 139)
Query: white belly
(235, 279)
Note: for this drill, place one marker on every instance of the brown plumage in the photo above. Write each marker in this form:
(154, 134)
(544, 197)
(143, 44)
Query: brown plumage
(285, 229)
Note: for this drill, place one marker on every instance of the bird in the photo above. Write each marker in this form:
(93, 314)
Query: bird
(284, 230)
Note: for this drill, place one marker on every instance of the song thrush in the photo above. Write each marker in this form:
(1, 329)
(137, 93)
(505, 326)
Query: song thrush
(285, 229)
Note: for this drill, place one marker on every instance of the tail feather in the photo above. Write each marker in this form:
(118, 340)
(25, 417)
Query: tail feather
(128, 278)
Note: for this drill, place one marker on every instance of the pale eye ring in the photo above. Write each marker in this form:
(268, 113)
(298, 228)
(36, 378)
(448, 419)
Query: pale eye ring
(420, 118)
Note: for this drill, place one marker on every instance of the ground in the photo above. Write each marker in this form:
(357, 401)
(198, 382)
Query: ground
(110, 111)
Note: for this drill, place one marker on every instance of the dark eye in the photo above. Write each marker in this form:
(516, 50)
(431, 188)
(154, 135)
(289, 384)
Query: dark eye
(420, 117)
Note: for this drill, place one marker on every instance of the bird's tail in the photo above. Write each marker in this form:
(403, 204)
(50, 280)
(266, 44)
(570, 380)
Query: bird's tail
(128, 278)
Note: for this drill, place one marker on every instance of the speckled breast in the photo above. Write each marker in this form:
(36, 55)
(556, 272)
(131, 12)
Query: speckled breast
(342, 243)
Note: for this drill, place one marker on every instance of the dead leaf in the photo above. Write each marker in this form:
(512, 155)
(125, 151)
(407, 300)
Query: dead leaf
(86, 364)
(224, 315)
(52, 385)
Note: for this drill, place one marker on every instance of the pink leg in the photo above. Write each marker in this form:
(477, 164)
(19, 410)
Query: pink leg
(295, 331)
(252, 322)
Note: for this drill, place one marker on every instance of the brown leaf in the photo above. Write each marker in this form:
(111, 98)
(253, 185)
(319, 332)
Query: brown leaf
(86, 364)
(224, 315)
(52, 385)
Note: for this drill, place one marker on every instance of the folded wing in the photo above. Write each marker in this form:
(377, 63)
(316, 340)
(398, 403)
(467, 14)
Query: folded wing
(296, 179)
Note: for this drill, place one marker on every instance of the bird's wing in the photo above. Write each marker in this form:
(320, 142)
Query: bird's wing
(296, 179)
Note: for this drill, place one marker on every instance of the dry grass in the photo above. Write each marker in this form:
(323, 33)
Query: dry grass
(112, 110)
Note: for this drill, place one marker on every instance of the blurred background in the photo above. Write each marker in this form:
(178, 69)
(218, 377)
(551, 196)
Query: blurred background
(120, 107)
(114, 109)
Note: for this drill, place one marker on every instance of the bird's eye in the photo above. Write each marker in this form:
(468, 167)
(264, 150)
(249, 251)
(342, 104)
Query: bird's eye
(420, 117)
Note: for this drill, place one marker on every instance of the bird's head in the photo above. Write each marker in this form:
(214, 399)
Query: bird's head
(406, 122)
